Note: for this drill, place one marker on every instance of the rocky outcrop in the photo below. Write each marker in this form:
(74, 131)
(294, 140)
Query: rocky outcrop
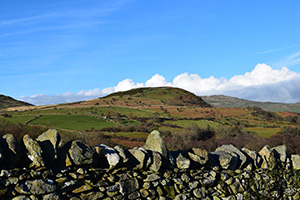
(44, 169)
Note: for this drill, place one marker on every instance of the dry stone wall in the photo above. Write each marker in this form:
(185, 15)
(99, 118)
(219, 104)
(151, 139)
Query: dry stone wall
(43, 169)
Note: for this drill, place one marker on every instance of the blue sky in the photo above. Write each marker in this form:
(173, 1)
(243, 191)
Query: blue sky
(62, 51)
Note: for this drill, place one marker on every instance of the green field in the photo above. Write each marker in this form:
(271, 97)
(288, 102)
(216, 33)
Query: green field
(70, 122)
(200, 123)
(264, 132)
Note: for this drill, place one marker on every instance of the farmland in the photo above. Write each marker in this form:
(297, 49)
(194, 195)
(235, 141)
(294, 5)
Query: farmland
(126, 118)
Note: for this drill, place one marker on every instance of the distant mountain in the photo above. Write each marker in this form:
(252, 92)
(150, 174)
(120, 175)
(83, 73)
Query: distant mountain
(6, 102)
(166, 95)
(233, 102)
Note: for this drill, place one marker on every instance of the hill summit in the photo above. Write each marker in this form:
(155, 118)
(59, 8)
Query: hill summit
(166, 95)
(6, 102)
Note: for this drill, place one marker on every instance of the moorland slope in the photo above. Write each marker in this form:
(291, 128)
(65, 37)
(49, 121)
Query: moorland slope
(6, 102)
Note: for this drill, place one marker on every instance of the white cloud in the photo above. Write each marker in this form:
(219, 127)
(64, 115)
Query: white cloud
(127, 84)
(157, 81)
(263, 83)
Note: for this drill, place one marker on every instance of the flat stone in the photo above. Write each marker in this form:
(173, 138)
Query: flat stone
(36, 187)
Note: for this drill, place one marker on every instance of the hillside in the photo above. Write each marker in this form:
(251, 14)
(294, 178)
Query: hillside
(166, 95)
(6, 102)
(185, 120)
(233, 102)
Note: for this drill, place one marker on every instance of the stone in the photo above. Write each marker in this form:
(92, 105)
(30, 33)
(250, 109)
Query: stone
(281, 151)
(92, 196)
(256, 158)
(131, 185)
(111, 155)
(155, 142)
(198, 158)
(157, 163)
(268, 155)
(52, 196)
(295, 161)
(232, 149)
(134, 195)
(34, 152)
(152, 177)
(236, 187)
(50, 141)
(224, 159)
(82, 154)
(139, 158)
(182, 162)
(21, 197)
(11, 151)
(198, 193)
(144, 193)
(36, 187)
(181, 197)
(121, 153)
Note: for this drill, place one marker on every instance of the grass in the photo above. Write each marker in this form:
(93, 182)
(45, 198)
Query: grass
(264, 132)
(22, 119)
(200, 123)
(72, 122)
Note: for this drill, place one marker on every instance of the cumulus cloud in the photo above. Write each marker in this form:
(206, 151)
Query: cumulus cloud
(263, 83)
(157, 81)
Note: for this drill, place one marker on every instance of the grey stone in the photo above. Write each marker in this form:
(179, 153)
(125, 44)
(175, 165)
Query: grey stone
(224, 159)
(281, 151)
(52, 196)
(230, 148)
(155, 142)
(50, 142)
(82, 154)
(111, 155)
(295, 161)
(131, 185)
(182, 162)
(181, 197)
(157, 163)
(198, 155)
(36, 187)
(265, 153)
(121, 153)
(140, 158)
(21, 197)
(256, 158)
(11, 151)
(34, 152)
(152, 177)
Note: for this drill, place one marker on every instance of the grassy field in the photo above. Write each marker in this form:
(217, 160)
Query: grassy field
(71, 122)
(264, 132)
(200, 123)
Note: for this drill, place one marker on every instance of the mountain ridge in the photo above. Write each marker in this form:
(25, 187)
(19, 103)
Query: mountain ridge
(234, 102)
